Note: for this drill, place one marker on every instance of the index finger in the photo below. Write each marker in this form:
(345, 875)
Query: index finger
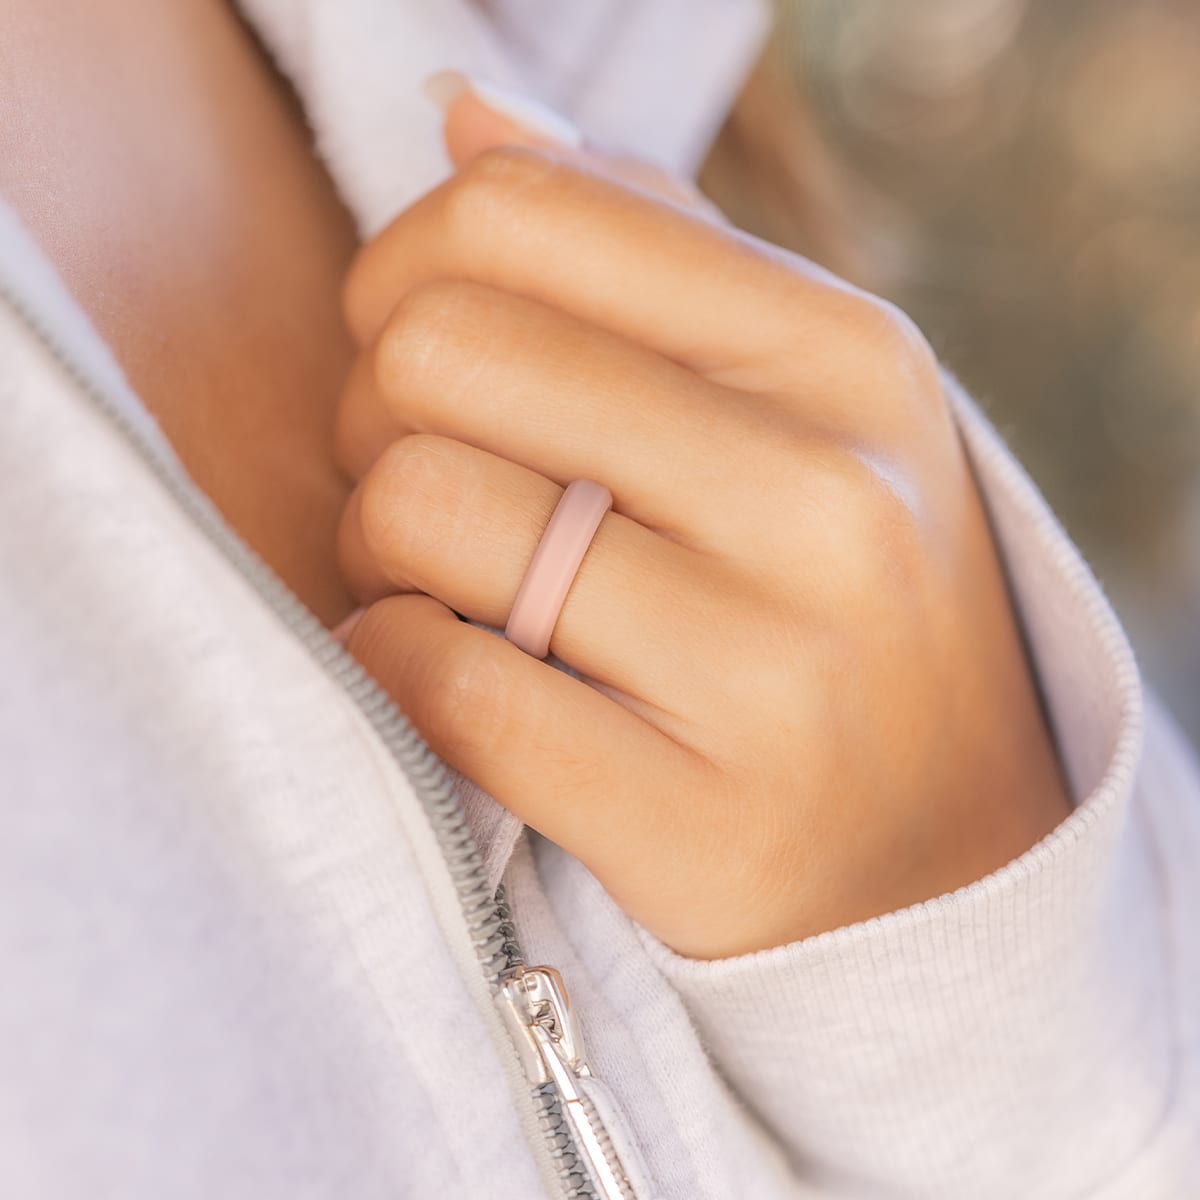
(526, 220)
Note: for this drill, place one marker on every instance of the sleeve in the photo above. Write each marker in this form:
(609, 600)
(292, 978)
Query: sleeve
(1036, 1033)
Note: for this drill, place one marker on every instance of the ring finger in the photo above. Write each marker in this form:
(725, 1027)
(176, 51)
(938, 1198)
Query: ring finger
(438, 516)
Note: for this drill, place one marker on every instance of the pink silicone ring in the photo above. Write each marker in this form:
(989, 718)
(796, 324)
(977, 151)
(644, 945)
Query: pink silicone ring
(554, 565)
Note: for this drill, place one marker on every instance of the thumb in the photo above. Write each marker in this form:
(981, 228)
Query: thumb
(481, 114)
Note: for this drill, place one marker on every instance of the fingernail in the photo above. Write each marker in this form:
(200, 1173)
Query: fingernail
(444, 87)
(342, 631)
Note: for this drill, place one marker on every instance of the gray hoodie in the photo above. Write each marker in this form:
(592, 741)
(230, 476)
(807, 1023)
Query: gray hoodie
(249, 939)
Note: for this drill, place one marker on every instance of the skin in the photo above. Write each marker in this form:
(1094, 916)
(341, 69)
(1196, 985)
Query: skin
(166, 170)
(808, 700)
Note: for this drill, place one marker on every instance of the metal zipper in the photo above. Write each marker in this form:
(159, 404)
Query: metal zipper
(534, 1004)
(575, 1136)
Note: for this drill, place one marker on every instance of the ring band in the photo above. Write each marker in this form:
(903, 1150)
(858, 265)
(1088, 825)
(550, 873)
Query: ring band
(554, 565)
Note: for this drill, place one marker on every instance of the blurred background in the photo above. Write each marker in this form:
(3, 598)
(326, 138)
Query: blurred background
(1024, 179)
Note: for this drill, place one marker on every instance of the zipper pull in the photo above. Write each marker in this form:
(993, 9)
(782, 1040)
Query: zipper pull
(533, 1001)
(538, 1015)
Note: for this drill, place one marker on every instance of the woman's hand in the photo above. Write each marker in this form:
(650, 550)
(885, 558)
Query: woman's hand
(808, 700)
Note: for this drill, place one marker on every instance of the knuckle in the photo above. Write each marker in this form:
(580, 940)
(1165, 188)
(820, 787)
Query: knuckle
(889, 347)
(875, 529)
(463, 698)
(493, 189)
(423, 330)
(875, 323)
(876, 506)
(401, 488)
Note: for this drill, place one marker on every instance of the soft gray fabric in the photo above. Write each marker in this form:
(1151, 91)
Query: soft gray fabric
(229, 966)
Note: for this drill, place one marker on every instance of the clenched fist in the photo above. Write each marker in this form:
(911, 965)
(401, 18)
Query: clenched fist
(806, 701)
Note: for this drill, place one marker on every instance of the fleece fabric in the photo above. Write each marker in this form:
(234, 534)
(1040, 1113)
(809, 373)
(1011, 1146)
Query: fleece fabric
(231, 961)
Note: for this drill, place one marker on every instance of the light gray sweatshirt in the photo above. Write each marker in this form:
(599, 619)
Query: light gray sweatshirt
(248, 945)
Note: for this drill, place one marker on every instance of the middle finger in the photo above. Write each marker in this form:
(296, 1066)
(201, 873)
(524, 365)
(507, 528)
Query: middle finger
(541, 388)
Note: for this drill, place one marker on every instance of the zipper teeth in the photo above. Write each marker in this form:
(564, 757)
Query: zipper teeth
(573, 1174)
(487, 913)
(606, 1146)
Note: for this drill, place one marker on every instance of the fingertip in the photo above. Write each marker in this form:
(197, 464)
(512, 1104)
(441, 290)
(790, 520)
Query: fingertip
(444, 87)
(480, 114)
(471, 127)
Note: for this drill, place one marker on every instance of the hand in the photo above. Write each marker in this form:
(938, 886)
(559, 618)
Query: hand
(807, 701)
